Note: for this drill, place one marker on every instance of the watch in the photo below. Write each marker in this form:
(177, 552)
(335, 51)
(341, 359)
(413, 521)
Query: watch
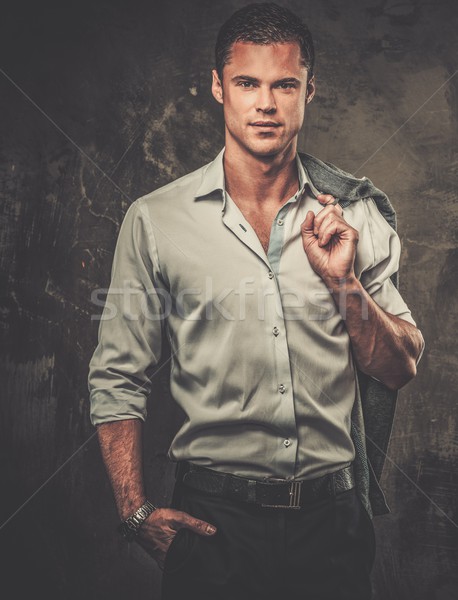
(130, 527)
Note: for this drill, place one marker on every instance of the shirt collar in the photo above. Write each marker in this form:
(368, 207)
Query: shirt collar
(213, 179)
(304, 179)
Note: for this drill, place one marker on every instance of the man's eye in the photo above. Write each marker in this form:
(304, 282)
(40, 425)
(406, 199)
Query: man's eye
(287, 85)
(245, 84)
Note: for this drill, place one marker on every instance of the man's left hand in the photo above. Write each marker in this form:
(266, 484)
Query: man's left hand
(330, 242)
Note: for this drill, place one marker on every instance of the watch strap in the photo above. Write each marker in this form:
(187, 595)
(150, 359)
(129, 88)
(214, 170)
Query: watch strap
(130, 527)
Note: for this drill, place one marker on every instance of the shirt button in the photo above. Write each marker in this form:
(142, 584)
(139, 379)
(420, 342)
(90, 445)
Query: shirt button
(275, 331)
(281, 388)
(287, 443)
(280, 222)
(270, 275)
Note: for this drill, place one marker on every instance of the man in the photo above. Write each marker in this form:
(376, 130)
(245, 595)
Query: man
(273, 275)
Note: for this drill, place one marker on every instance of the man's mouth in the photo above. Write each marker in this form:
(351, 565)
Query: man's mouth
(265, 124)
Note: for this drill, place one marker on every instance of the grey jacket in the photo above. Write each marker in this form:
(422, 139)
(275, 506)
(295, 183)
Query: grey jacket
(373, 413)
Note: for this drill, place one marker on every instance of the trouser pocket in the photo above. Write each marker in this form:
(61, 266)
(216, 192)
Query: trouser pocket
(179, 550)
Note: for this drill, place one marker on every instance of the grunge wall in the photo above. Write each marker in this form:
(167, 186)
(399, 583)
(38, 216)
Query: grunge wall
(104, 101)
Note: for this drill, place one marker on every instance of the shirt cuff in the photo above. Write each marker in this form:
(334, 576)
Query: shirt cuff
(116, 405)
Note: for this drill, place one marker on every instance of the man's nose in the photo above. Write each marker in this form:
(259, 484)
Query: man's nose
(265, 101)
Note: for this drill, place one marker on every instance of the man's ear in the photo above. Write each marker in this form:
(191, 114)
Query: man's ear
(310, 89)
(217, 87)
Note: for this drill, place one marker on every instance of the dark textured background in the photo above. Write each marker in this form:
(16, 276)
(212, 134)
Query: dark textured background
(104, 101)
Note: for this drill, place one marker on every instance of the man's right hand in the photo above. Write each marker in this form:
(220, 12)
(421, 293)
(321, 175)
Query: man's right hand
(121, 445)
(158, 530)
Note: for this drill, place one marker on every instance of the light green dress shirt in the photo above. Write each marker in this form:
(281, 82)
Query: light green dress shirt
(261, 360)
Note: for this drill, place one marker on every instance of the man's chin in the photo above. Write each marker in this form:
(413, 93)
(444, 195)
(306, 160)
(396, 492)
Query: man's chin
(264, 150)
(267, 147)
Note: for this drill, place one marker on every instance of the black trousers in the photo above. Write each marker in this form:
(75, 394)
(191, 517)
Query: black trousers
(322, 552)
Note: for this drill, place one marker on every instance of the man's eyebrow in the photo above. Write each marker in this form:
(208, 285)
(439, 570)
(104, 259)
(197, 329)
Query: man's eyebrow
(245, 78)
(288, 80)
(255, 80)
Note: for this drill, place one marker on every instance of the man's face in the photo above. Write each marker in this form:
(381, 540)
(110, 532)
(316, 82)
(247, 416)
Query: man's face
(264, 94)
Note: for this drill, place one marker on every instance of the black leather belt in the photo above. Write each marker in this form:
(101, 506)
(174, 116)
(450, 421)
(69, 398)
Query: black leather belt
(271, 492)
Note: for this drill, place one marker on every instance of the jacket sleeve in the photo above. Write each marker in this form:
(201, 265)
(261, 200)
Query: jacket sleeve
(130, 328)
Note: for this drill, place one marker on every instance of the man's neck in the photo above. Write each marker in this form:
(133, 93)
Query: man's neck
(260, 181)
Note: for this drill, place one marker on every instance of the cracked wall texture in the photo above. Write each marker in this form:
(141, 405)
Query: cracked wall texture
(104, 101)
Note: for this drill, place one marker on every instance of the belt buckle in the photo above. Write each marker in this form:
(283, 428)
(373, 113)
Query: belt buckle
(294, 495)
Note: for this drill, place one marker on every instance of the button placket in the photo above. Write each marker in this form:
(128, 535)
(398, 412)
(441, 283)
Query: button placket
(284, 386)
(284, 401)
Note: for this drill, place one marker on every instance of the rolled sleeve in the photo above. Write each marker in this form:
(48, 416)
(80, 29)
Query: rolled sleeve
(130, 328)
(386, 252)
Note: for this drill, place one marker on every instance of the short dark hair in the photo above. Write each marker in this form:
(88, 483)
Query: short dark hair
(264, 23)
